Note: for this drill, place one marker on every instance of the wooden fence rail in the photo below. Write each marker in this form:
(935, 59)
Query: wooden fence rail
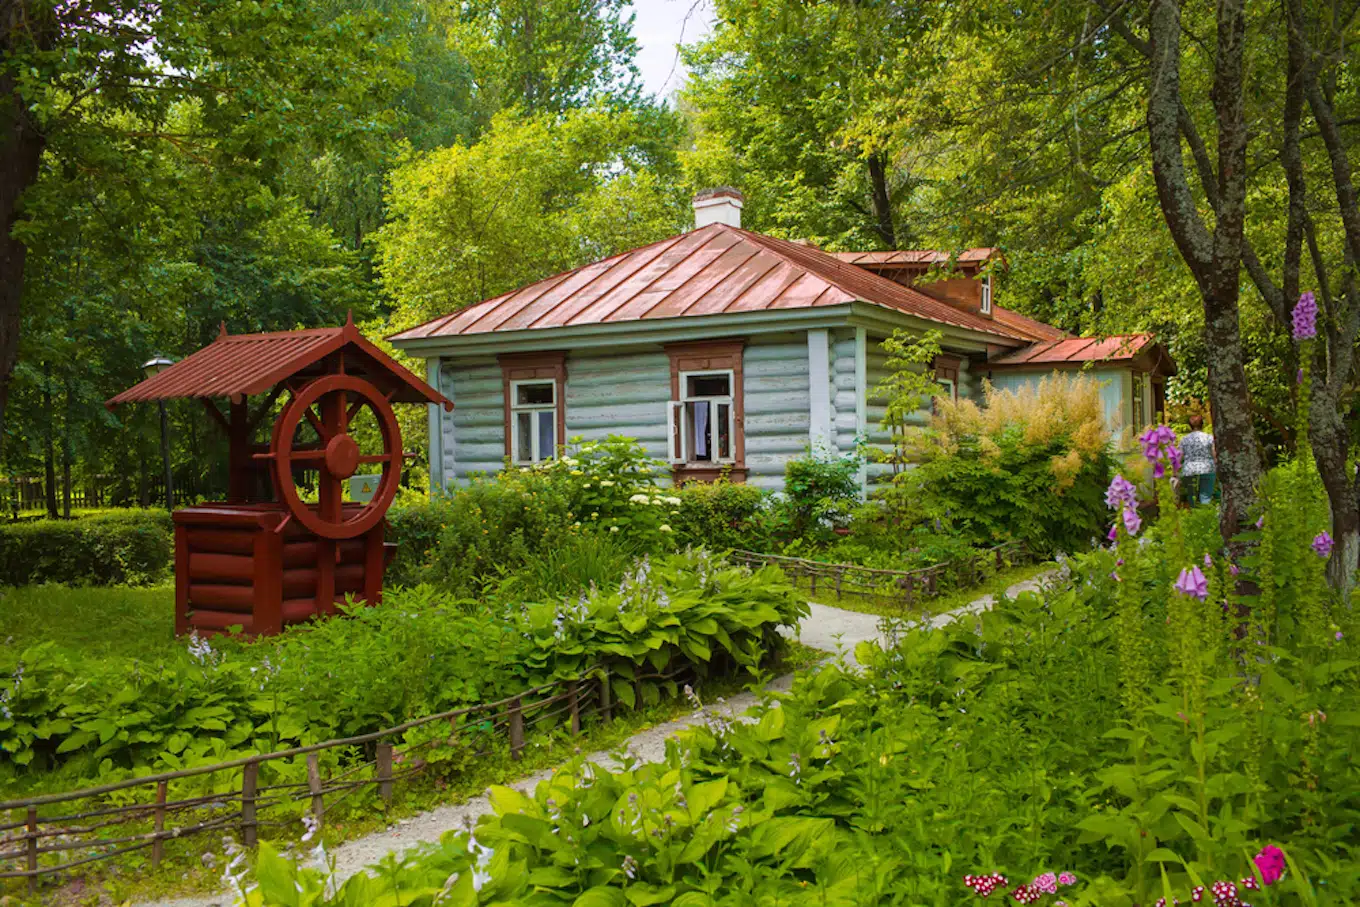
(904, 586)
(74, 838)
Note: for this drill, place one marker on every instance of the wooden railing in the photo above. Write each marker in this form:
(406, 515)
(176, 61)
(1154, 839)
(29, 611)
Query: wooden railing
(906, 587)
(55, 833)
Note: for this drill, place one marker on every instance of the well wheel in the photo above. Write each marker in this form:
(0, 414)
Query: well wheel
(337, 400)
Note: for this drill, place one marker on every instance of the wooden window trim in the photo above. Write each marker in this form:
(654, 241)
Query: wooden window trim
(545, 366)
(711, 356)
(947, 369)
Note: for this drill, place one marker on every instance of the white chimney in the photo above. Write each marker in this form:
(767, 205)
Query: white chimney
(721, 205)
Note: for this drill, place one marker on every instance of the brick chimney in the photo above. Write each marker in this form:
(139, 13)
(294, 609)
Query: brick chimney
(719, 205)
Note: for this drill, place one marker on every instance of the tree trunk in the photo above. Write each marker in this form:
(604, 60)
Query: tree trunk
(21, 148)
(1214, 258)
(49, 454)
(883, 217)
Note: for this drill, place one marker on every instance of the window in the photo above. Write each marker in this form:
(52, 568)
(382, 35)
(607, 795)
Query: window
(535, 412)
(1139, 416)
(533, 423)
(947, 376)
(705, 415)
(986, 299)
(705, 418)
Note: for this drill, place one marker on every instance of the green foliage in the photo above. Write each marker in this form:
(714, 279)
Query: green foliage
(1002, 743)
(722, 515)
(67, 719)
(821, 491)
(1030, 465)
(131, 547)
(909, 384)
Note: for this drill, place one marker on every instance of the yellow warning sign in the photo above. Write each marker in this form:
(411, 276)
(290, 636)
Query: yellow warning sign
(362, 488)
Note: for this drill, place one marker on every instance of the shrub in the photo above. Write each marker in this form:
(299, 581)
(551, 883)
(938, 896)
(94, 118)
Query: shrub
(721, 515)
(821, 491)
(1029, 465)
(131, 547)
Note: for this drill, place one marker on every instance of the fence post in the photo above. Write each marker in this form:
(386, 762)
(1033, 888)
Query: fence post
(606, 707)
(516, 715)
(158, 824)
(31, 836)
(574, 703)
(907, 589)
(314, 785)
(384, 768)
(812, 576)
(840, 574)
(250, 780)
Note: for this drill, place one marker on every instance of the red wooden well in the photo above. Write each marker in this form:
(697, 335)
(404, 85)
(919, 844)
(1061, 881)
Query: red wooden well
(265, 558)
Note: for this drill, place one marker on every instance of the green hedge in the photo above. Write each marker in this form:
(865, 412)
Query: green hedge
(133, 547)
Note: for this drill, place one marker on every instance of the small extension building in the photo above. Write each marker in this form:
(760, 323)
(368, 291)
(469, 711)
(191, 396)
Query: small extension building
(729, 352)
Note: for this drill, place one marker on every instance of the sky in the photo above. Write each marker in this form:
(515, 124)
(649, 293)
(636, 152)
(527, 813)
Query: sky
(661, 25)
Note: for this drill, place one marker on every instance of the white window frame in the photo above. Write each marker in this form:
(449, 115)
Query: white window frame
(986, 301)
(950, 385)
(516, 408)
(679, 430)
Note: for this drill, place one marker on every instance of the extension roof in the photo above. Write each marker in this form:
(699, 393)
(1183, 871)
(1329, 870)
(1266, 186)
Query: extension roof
(250, 364)
(713, 270)
(916, 257)
(1141, 349)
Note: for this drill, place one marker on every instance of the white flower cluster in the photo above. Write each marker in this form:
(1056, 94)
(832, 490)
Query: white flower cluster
(8, 694)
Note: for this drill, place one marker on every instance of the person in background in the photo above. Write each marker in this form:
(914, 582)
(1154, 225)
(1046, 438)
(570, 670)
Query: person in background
(1197, 462)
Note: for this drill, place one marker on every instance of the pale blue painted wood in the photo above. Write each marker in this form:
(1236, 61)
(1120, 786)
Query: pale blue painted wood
(778, 406)
(624, 394)
(474, 433)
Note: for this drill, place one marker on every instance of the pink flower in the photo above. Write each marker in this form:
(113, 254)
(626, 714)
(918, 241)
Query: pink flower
(1132, 521)
(1114, 532)
(1322, 544)
(1159, 446)
(1270, 863)
(1233, 569)
(1047, 883)
(1066, 878)
(1305, 317)
(1191, 582)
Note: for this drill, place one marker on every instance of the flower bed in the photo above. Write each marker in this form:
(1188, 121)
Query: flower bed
(1133, 734)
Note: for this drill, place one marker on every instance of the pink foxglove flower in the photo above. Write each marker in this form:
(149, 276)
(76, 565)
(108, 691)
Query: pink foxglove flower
(1132, 521)
(1121, 493)
(1192, 583)
(1322, 544)
(1159, 447)
(1305, 317)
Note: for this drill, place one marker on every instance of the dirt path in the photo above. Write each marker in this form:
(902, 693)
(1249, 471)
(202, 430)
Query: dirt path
(832, 630)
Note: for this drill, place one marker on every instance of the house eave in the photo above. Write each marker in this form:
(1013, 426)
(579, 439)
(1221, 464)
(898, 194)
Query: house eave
(695, 327)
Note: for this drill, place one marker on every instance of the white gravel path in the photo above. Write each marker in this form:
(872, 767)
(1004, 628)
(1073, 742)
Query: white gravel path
(832, 630)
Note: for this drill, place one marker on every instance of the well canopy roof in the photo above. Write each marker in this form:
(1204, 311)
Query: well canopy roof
(713, 270)
(251, 364)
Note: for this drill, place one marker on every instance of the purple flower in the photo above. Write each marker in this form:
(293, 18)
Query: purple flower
(1208, 561)
(1340, 636)
(1121, 493)
(1114, 532)
(1261, 521)
(1132, 521)
(1322, 544)
(1191, 582)
(1305, 317)
(1233, 569)
(1159, 446)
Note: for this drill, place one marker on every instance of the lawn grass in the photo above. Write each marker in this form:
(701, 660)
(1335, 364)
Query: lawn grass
(888, 606)
(91, 621)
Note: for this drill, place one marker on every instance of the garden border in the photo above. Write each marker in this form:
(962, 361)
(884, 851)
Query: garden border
(507, 716)
(874, 582)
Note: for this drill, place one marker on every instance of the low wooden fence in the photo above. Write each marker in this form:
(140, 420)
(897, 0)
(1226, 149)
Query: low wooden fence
(906, 587)
(55, 833)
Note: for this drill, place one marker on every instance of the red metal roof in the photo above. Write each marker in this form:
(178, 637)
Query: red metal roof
(254, 363)
(1078, 349)
(715, 269)
(918, 257)
(1024, 326)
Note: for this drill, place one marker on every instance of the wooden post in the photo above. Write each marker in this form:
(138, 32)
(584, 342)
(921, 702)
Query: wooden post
(31, 836)
(840, 574)
(158, 845)
(384, 770)
(907, 589)
(250, 781)
(812, 576)
(181, 579)
(574, 705)
(374, 561)
(267, 609)
(606, 707)
(314, 785)
(516, 715)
